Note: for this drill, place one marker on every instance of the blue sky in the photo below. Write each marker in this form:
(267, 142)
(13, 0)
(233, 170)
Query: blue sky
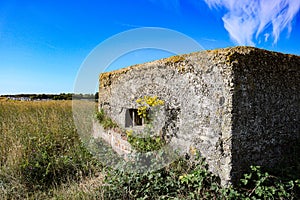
(44, 43)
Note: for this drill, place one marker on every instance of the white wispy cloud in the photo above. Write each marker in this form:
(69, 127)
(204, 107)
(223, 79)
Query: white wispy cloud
(267, 35)
(246, 20)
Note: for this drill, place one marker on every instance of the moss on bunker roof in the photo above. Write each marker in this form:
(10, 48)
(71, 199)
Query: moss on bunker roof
(229, 54)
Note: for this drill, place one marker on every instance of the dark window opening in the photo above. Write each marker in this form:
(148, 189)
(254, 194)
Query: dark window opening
(132, 118)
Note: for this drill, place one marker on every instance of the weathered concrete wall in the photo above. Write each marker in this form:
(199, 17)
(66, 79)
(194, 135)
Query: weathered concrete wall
(238, 106)
(266, 109)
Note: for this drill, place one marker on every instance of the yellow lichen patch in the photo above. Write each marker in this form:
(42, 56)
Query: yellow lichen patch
(174, 59)
(229, 58)
(107, 78)
(181, 69)
(193, 150)
(216, 51)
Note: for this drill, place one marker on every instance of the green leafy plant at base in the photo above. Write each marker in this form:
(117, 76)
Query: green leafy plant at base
(182, 179)
(146, 143)
(190, 179)
(262, 185)
(105, 121)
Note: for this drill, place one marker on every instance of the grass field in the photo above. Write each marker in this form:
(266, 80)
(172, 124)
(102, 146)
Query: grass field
(42, 157)
(40, 151)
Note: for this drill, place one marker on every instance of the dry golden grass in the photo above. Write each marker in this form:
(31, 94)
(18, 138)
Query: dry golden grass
(3, 98)
(41, 155)
(22, 121)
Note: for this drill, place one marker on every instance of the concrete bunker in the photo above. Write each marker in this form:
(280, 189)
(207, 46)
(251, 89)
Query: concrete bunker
(238, 106)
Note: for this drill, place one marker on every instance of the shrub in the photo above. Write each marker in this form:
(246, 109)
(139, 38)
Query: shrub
(105, 121)
(190, 179)
(258, 184)
(182, 179)
(46, 165)
(146, 143)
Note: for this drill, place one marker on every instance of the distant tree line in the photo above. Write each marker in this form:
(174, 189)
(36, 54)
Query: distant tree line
(61, 96)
